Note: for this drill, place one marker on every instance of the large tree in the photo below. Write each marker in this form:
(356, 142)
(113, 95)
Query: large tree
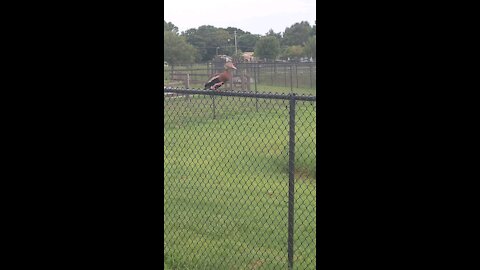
(231, 31)
(170, 27)
(267, 47)
(176, 50)
(314, 29)
(297, 34)
(311, 47)
(209, 40)
(246, 42)
(273, 34)
(294, 52)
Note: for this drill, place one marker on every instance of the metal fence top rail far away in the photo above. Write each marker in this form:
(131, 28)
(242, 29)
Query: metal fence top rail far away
(240, 94)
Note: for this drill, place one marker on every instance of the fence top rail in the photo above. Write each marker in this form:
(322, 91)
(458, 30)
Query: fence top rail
(184, 69)
(239, 94)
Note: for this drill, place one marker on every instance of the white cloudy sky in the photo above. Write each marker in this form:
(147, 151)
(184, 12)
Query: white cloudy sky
(255, 16)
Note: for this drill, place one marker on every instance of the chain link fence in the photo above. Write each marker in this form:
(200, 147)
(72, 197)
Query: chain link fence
(255, 77)
(239, 180)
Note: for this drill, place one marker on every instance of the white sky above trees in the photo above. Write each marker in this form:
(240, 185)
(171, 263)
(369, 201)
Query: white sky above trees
(254, 16)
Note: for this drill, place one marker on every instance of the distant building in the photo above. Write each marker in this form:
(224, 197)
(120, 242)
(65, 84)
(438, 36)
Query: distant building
(248, 56)
(222, 58)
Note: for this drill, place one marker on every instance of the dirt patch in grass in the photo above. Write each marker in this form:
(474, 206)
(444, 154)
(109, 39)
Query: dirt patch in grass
(304, 175)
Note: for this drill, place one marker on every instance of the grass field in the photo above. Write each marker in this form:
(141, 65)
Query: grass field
(226, 184)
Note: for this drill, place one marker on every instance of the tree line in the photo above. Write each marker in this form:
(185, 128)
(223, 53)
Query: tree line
(201, 44)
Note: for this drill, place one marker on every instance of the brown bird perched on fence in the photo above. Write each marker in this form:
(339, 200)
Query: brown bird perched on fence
(219, 79)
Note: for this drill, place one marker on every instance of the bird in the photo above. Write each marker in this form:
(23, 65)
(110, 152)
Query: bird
(220, 79)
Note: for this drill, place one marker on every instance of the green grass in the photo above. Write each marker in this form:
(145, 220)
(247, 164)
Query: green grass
(226, 184)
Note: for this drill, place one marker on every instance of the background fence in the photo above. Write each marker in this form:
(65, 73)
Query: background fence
(256, 77)
(239, 180)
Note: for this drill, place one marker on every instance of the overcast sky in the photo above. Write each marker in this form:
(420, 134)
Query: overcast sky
(254, 16)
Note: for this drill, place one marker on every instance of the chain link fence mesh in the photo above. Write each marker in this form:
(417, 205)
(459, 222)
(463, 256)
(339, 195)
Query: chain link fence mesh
(255, 77)
(227, 175)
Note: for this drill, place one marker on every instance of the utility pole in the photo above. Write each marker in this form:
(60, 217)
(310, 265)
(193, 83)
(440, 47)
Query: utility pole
(235, 33)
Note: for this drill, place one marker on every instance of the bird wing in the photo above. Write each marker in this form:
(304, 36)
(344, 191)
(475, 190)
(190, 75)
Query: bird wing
(215, 76)
(213, 80)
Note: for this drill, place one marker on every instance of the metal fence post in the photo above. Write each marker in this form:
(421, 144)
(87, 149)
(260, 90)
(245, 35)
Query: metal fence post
(274, 72)
(213, 106)
(271, 72)
(311, 81)
(296, 73)
(291, 78)
(255, 77)
(291, 180)
(258, 71)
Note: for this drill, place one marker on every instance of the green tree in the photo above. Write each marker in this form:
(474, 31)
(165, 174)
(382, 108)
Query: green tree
(311, 47)
(246, 42)
(208, 40)
(294, 52)
(267, 47)
(314, 29)
(297, 34)
(238, 57)
(273, 34)
(176, 50)
(231, 31)
(170, 27)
